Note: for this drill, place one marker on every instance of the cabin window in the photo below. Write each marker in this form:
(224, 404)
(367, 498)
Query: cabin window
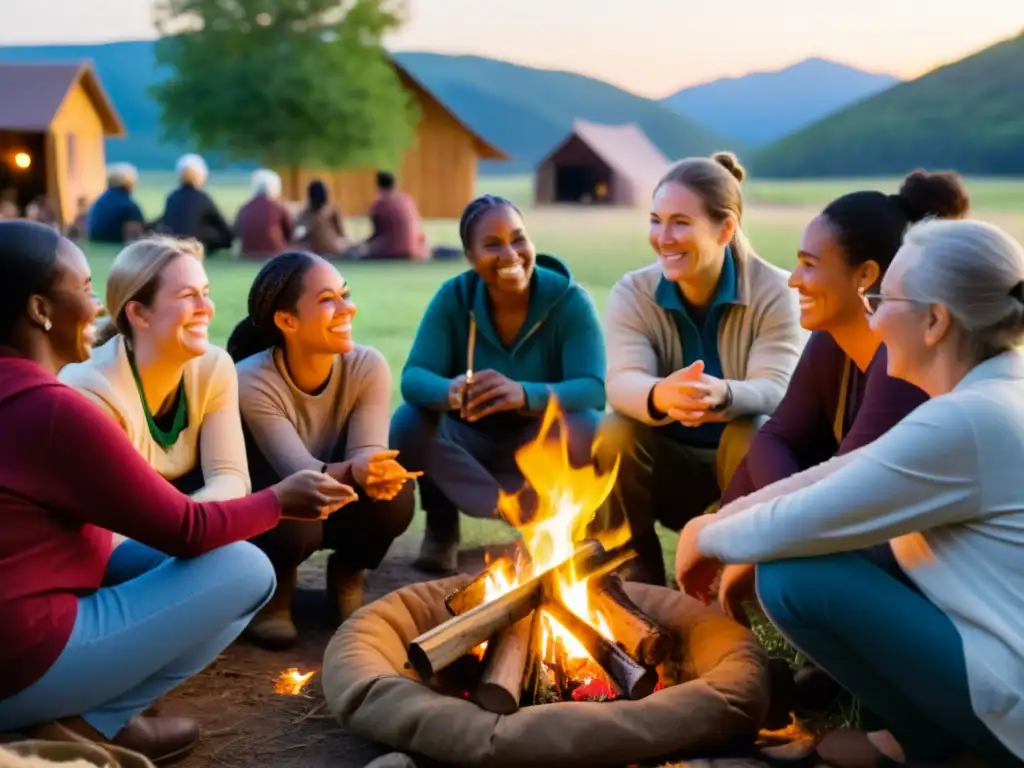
(72, 159)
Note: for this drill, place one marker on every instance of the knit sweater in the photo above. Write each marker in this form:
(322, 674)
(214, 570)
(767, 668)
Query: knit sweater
(213, 435)
(759, 341)
(67, 481)
(943, 487)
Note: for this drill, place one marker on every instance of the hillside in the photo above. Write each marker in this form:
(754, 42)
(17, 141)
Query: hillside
(968, 115)
(525, 111)
(762, 107)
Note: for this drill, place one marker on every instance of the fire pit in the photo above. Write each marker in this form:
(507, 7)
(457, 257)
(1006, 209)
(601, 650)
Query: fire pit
(546, 658)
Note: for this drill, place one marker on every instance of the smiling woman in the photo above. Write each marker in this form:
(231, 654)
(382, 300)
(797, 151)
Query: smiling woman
(155, 373)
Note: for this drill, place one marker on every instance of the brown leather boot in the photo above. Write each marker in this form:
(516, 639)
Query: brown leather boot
(344, 589)
(272, 628)
(164, 740)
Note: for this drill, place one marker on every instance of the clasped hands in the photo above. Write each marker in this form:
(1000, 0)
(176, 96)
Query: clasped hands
(689, 395)
(486, 393)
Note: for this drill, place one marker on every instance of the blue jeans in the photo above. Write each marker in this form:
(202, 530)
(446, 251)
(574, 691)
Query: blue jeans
(862, 621)
(156, 622)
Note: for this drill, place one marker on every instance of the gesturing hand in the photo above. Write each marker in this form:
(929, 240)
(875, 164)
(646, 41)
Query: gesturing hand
(381, 475)
(695, 571)
(492, 392)
(311, 495)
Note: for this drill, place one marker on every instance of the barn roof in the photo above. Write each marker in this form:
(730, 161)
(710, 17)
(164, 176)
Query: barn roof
(625, 148)
(32, 93)
(484, 148)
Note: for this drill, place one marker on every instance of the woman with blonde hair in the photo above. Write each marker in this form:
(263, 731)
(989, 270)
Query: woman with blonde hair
(931, 644)
(700, 344)
(156, 374)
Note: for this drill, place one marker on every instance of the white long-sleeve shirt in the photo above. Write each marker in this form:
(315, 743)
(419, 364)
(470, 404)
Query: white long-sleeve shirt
(946, 486)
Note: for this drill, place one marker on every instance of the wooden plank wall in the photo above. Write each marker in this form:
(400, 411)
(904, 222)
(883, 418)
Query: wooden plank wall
(85, 173)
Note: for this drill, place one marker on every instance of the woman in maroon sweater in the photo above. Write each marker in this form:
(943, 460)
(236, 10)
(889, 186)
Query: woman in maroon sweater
(90, 638)
(840, 396)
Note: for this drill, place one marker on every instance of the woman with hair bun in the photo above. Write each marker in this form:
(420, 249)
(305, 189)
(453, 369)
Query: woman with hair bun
(840, 397)
(701, 344)
(931, 640)
(311, 398)
(156, 374)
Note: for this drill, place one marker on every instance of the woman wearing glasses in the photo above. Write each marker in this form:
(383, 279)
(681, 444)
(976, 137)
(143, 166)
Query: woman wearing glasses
(931, 643)
(840, 396)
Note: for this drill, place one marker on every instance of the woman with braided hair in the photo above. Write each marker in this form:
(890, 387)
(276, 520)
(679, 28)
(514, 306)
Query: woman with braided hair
(311, 398)
(536, 335)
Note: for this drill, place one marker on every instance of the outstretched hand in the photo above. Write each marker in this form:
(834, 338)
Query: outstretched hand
(380, 474)
(695, 571)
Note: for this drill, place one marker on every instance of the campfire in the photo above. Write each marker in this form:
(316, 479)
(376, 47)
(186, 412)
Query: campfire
(552, 622)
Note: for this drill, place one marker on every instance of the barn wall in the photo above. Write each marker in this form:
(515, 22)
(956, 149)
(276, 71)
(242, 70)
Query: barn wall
(76, 151)
(574, 151)
(439, 170)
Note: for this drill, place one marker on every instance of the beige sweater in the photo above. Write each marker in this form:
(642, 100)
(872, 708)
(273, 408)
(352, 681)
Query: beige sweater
(295, 430)
(214, 432)
(759, 341)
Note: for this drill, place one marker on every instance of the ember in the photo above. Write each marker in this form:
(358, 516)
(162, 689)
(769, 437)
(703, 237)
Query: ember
(551, 623)
(291, 682)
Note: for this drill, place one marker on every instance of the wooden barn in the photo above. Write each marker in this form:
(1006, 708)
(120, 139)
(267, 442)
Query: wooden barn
(439, 170)
(53, 120)
(600, 165)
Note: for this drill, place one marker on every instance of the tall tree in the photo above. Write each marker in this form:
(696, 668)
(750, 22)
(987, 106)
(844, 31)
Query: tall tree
(284, 82)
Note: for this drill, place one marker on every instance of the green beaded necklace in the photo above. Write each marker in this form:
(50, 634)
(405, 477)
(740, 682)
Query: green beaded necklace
(165, 438)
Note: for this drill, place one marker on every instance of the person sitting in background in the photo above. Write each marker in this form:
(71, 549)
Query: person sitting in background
(90, 638)
(263, 224)
(79, 227)
(537, 336)
(9, 204)
(930, 641)
(311, 398)
(155, 373)
(700, 345)
(190, 212)
(41, 211)
(319, 228)
(841, 396)
(115, 217)
(397, 227)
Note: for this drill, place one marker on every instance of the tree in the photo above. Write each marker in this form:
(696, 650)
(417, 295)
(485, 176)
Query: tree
(284, 82)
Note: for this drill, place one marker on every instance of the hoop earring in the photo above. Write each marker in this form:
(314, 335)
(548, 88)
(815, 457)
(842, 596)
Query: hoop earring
(47, 325)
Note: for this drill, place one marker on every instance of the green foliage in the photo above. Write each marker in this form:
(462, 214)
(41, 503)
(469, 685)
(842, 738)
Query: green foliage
(968, 115)
(284, 82)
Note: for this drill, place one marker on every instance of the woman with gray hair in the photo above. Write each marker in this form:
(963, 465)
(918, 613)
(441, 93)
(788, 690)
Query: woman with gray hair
(263, 224)
(190, 212)
(934, 645)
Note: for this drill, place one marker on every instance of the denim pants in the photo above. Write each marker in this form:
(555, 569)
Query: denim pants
(863, 621)
(156, 622)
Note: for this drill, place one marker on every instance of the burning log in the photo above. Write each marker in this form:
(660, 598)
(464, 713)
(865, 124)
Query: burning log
(640, 636)
(633, 680)
(507, 669)
(434, 650)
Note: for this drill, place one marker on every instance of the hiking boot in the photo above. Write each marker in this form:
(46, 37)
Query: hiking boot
(344, 589)
(164, 740)
(273, 628)
(438, 555)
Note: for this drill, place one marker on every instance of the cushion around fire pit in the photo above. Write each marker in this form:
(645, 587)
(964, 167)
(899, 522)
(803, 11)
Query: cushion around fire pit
(370, 691)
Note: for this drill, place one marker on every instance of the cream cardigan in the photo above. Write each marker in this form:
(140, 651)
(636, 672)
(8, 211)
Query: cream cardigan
(759, 340)
(214, 432)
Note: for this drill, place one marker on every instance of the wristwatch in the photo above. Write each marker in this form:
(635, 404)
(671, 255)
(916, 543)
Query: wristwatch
(726, 401)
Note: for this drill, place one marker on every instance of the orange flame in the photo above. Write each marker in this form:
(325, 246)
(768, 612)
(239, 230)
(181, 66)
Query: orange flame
(291, 682)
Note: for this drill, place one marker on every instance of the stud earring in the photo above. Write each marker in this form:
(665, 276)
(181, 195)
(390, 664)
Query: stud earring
(47, 325)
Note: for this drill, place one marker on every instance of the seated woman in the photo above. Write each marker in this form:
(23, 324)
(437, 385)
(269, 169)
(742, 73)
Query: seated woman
(190, 212)
(263, 224)
(319, 227)
(841, 396)
(931, 642)
(699, 345)
(311, 398)
(156, 374)
(536, 335)
(89, 638)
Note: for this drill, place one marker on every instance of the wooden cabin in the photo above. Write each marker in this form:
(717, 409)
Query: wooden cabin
(439, 170)
(53, 120)
(597, 164)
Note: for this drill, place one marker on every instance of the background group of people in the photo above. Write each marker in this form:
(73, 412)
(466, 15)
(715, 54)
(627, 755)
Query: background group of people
(837, 443)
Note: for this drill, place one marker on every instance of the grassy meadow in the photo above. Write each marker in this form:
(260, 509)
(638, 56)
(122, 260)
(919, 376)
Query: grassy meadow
(599, 246)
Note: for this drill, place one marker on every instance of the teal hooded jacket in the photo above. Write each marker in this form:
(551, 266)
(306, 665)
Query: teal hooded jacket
(559, 350)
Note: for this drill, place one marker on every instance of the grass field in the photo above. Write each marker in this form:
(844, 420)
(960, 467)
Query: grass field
(599, 246)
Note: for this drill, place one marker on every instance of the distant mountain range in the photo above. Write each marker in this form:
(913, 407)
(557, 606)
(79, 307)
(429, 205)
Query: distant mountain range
(762, 107)
(968, 115)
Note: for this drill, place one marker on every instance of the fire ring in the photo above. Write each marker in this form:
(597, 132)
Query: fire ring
(372, 692)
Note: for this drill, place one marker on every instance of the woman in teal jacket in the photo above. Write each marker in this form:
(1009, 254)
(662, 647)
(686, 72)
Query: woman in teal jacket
(526, 331)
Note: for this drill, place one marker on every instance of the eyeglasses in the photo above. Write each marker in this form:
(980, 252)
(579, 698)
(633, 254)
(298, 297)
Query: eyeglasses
(873, 301)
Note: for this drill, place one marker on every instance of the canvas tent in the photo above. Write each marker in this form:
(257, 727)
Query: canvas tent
(603, 164)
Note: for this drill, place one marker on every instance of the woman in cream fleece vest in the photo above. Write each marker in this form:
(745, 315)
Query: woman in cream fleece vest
(700, 344)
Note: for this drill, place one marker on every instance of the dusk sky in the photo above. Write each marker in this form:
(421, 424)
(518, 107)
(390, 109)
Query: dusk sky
(652, 47)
